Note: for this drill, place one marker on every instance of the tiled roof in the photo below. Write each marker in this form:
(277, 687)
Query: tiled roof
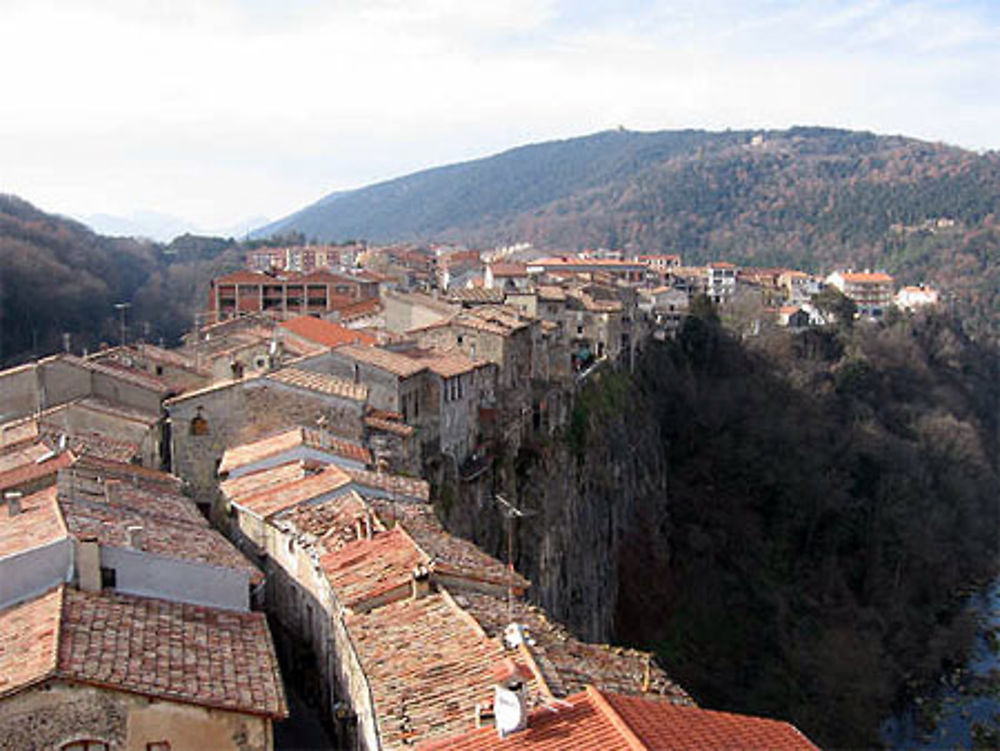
(592, 720)
(509, 269)
(383, 359)
(89, 443)
(446, 363)
(661, 725)
(35, 470)
(331, 521)
(320, 382)
(133, 376)
(248, 453)
(427, 666)
(551, 293)
(167, 532)
(567, 663)
(359, 309)
(18, 457)
(863, 277)
(326, 333)
(479, 295)
(170, 650)
(134, 473)
(364, 570)
(389, 426)
(28, 636)
(271, 500)
(257, 480)
(246, 277)
(570, 262)
(38, 524)
(410, 487)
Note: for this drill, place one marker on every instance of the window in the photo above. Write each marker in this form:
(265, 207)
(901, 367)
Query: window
(108, 578)
(158, 746)
(199, 425)
(85, 746)
(159, 370)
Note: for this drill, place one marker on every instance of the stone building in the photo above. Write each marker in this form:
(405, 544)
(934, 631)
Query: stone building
(206, 422)
(117, 672)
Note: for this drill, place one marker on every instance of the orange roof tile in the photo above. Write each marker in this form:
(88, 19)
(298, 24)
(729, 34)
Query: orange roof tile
(867, 277)
(596, 721)
(383, 359)
(320, 382)
(38, 524)
(509, 269)
(170, 650)
(410, 487)
(35, 470)
(257, 480)
(249, 453)
(271, 500)
(326, 333)
(29, 634)
(365, 570)
(389, 426)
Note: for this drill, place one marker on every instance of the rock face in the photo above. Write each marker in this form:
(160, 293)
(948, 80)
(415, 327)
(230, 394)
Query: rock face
(581, 490)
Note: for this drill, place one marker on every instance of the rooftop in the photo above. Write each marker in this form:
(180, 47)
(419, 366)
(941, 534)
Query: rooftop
(271, 500)
(383, 359)
(155, 648)
(278, 443)
(326, 333)
(592, 720)
(38, 524)
(320, 382)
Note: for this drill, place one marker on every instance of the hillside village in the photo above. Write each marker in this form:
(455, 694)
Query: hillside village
(187, 531)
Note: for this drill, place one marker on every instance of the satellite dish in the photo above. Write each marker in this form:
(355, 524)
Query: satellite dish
(509, 711)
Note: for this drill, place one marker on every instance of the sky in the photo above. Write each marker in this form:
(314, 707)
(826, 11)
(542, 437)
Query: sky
(217, 111)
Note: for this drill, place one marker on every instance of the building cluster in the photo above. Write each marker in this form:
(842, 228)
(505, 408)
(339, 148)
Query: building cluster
(158, 503)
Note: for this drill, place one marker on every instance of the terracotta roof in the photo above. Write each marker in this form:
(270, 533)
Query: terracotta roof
(321, 382)
(865, 277)
(168, 650)
(28, 636)
(563, 262)
(326, 333)
(596, 721)
(165, 532)
(720, 265)
(38, 524)
(246, 277)
(18, 457)
(389, 426)
(257, 480)
(446, 363)
(249, 453)
(35, 470)
(410, 487)
(427, 667)
(551, 293)
(271, 500)
(365, 570)
(509, 269)
(130, 375)
(89, 443)
(383, 359)
(331, 521)
(135, 473)
(479, 295)
(359, 309)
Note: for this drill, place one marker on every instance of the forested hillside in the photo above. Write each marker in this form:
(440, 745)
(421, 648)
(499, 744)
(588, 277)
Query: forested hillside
(56, 277)
(813, 198)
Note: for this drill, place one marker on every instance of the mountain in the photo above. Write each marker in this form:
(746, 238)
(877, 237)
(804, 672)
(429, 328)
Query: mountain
(162, 227)
(58, 277)
(814, 198)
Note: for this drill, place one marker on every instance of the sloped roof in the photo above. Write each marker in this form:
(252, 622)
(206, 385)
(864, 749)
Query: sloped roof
(326, 333)
(271, 500)
(366, 569)
(320, 382)
(383, 359)
(286, 440)
(38, 524)
(157, 648)
(592, 720)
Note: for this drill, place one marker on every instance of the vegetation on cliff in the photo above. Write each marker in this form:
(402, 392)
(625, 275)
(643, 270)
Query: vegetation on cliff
(828, 493)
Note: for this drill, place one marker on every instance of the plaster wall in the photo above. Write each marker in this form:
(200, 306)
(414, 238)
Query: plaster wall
(35, 570)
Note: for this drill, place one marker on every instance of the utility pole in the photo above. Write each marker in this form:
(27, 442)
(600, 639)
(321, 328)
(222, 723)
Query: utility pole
(510, 512)
(122, 307)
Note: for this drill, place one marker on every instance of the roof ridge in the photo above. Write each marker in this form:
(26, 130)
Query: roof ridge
(603, 706)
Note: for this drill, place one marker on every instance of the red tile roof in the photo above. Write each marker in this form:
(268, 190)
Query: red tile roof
(168, 650)
(271, 500)
(866, 277)
(383, 359)
(326, 333)
(509, 269)
(35, 470)
(320, 382)
(38, 524)
(366, 570)
(409, 487)
(596, 721)
(249, 453)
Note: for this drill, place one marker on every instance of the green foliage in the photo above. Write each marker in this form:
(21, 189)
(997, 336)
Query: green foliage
(825, 503)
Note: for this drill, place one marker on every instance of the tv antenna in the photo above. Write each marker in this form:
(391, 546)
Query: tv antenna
(510, 512)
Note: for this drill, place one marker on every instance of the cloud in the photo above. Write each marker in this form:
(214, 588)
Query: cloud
(216, 109)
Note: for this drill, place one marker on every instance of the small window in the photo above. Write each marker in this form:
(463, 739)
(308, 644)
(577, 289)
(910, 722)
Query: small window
(199, 425)
(109, 579)
(159, 370)
(158, 746)
(85, 746)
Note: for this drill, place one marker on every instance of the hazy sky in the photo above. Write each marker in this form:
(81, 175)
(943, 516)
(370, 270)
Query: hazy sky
(218, 110)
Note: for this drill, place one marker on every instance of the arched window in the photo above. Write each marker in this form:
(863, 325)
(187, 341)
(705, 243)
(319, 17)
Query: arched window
(199, 425)
(85, 746)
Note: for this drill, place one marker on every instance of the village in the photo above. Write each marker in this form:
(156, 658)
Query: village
(187, 531)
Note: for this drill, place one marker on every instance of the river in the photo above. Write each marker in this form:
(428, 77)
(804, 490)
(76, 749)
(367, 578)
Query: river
(963, 709)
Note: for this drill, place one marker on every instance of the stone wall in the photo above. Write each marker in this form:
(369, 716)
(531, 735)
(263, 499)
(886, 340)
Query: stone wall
(54, 713)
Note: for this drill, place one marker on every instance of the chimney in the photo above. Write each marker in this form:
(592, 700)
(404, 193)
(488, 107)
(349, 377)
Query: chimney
(420, 584)
(510, 697)
(88, 564)
(134, 534)
(13, 498)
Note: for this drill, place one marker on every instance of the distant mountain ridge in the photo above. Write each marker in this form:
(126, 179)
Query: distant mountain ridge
(809, 197)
